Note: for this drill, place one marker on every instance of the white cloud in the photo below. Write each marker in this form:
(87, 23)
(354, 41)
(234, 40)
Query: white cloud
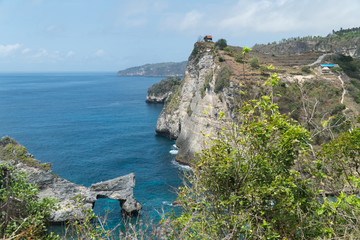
(70, 53)
(191, 20)
(247, 17)
(41, 53)
(26, 50)
(99, 52)
(6, 50)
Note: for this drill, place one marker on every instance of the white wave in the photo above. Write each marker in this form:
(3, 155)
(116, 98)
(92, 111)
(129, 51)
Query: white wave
(174, 152)
(180, 166)
(167, 203)
(175, 147)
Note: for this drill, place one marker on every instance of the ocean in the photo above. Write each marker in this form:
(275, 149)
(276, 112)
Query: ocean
(93, 127)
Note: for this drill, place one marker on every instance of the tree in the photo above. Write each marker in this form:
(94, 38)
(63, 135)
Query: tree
(22, 214)
(244, 185)
(258, 180)
(245, 51)
(221, 44)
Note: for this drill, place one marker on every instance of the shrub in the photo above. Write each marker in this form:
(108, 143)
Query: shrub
(22, 213)
(229, 51)
(255, 181)
(306, 69)
(189, 111)
(338, 108)
(254, 62)
(222, 79)
(221, 59)
(238, 58)
(221, 44)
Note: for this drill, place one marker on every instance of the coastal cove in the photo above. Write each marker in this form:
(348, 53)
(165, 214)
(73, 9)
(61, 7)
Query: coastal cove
(93, 127)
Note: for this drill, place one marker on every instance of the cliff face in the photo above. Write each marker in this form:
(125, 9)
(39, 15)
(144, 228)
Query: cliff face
(183, 117)
(216, 81)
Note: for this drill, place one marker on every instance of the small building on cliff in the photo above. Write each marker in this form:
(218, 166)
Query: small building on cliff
(208, 38)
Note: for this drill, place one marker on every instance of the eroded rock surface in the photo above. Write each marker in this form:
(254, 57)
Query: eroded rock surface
(73, 199)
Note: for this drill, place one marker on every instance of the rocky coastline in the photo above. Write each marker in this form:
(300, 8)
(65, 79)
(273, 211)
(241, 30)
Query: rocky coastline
(73, 200)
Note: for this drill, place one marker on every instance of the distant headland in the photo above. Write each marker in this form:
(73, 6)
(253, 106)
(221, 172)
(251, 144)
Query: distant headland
(167, 69)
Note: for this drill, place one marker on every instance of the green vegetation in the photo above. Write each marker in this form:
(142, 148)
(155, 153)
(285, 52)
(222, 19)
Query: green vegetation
(221, 44)
(169, 84)
(189, 110)
(156, 70)
(254, 62)
(22, 214)
(11, 150)
(306, 69)
(351, 66)
(260, 179)
(238, 58)
(208, 79)
(229, 51)
(221, 59)
(223, 79)
(334, 42)
(173, 102)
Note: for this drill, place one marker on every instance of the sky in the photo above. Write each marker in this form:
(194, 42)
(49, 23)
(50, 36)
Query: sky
(111, 35)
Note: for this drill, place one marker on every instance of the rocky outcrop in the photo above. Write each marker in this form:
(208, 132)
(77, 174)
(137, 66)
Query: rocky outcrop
(73, 199)
(160, 92)
(194, 111)
(157, 99)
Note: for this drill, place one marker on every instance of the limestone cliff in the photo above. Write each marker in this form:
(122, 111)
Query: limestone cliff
(220, 80)
(72, 199)
(194, 108)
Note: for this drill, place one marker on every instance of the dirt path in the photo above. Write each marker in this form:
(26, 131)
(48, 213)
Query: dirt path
(343, 87)
(319, 60)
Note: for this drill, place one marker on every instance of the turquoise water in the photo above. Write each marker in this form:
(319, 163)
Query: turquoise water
(92, 127)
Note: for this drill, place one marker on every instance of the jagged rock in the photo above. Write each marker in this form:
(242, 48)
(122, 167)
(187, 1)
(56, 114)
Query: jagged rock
(157, 99)
(121, 189)
(73, 199)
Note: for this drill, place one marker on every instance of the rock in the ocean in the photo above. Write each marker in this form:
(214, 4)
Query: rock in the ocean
(73, 199)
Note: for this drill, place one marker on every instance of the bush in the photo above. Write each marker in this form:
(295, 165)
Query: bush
(338, 108)
(260, 179)
(238, 58)
(221, 59)
(229, 51)
(221, 44)
(223, 79)
(254, 62)
(306, 69)
(22, 213)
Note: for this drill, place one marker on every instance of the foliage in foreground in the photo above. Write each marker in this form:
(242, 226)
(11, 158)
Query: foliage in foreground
(22, 214)
(260, 180)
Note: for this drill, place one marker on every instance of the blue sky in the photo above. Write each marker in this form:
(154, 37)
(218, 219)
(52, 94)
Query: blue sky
(110, 35)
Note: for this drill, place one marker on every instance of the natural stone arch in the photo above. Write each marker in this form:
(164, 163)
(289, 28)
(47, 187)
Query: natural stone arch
(120, 189)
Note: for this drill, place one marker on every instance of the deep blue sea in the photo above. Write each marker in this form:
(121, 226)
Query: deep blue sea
(92, 127)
